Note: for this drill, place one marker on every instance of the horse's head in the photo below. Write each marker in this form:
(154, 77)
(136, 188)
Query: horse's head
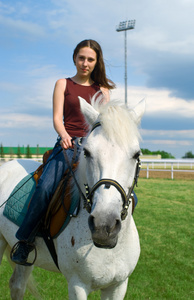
(110, 157)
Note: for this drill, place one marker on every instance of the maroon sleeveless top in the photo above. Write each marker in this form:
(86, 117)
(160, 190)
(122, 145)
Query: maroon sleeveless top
(74, 121)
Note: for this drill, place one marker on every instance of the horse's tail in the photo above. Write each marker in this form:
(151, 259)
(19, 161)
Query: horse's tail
(32, 284)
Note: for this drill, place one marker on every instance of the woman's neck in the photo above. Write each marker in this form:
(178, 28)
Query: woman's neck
(82, 80)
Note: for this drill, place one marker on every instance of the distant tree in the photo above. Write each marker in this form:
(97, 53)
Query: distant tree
(23, 150)
(19, 152)
(28, 154)
(146, 152)
(165, 154)
(11, 152)
(1, 151)
(162, 153)
(37, 150)
(188, 154)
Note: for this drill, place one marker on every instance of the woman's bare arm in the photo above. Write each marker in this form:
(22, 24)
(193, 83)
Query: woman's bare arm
(58, 108)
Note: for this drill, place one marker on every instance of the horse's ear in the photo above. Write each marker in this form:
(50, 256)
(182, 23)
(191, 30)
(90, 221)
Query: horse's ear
(88, 111)
(139, 110)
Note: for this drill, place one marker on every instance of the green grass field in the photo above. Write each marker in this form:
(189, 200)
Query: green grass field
(164, 218)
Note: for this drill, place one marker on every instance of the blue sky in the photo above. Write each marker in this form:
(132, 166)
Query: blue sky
(37, 41)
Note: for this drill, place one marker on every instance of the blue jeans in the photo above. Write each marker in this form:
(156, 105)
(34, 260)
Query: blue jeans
(47, 184)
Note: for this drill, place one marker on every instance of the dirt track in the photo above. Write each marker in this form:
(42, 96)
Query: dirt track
(167, 174)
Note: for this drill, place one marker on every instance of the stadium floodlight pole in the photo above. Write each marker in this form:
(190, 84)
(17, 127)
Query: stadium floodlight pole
(124, 26)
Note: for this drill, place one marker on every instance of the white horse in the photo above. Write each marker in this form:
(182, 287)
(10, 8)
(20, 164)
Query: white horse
(99, 249)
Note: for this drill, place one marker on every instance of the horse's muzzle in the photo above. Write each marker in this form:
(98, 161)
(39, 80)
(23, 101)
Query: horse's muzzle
(106, 235)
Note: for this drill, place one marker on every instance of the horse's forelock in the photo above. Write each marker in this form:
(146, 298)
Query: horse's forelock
(117, 122)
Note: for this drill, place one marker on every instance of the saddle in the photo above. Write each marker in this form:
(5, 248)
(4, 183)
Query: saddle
(62, 205)
(45, 158)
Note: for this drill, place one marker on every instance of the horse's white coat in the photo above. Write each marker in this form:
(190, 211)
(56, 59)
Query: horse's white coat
(85, 266)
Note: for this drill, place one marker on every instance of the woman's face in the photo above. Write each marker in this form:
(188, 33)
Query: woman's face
(85, 61)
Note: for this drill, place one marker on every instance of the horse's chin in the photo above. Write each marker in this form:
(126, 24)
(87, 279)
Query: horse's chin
(107, 245)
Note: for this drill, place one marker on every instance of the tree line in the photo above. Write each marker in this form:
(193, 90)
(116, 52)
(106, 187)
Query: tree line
(165, 154)
(20, 152)
(28, 151)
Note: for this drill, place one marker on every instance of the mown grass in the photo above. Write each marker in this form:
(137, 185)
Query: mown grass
(164, 218)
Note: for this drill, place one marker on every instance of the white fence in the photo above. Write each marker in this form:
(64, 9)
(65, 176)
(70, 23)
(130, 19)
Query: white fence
(167, 165)
(164, 165)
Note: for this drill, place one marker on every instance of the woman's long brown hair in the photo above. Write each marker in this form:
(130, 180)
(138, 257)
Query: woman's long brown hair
(99, 73)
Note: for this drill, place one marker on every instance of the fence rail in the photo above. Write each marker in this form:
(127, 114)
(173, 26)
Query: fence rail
(167, 165)
(158, 165)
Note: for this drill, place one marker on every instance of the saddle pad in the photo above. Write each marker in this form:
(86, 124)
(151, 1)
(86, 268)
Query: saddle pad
(17, 204)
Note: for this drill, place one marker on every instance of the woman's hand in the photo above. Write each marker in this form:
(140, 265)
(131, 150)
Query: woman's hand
(66, 142)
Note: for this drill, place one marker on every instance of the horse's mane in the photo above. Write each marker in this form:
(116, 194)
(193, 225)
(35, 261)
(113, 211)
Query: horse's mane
(117, 121)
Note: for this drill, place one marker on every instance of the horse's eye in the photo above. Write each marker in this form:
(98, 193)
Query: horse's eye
(137, 154)
(86, 153)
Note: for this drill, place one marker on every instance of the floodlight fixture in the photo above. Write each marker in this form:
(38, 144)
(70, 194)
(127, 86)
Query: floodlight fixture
(124, 26)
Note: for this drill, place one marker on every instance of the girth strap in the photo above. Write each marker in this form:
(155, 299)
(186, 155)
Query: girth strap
(50, 245)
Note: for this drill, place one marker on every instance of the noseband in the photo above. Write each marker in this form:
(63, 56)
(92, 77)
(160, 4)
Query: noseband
(126, 198)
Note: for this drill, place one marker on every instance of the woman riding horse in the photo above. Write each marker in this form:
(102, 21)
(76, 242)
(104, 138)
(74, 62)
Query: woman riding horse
(68, 122)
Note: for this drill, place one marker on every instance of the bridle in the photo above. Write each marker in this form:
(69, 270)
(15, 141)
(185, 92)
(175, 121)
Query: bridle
(126, 198)
(89, 193)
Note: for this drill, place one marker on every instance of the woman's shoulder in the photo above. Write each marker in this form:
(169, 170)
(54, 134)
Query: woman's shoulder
(62, 81)
(61, 84)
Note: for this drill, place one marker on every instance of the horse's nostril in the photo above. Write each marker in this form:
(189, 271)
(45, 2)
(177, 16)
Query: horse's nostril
(91, 223)
(111, 228)
(118, 225)
(115, 227)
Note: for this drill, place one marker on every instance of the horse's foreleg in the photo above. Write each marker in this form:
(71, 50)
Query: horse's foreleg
(77, 290)
(3, 245)
(115, 292)
(18, 281)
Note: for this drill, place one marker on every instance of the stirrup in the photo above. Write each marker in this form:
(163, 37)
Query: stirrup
(15, 248)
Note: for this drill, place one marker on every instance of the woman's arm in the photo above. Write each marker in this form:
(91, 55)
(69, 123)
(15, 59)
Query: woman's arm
(58, 107)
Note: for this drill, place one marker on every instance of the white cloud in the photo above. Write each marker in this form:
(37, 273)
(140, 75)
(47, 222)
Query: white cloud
(10, 86)
(169, 143)
(158, 102)
(20, 26)
(34, 90)
(5, 8)
(175, 134)
(152, 39)
(20, 121)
